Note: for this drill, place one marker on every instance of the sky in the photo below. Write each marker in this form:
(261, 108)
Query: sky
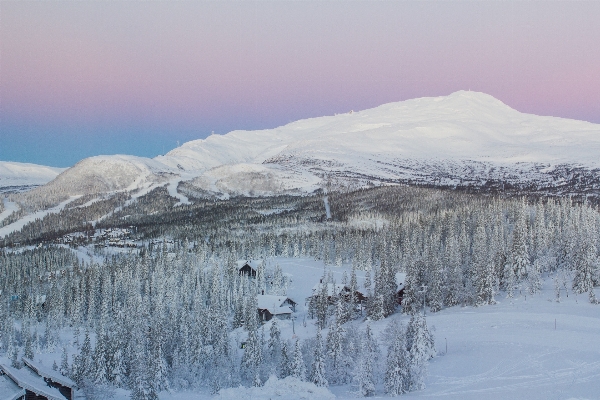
(83, 78)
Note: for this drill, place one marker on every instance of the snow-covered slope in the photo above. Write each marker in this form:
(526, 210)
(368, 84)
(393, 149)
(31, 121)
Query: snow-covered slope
(20, 174)
(466, 138)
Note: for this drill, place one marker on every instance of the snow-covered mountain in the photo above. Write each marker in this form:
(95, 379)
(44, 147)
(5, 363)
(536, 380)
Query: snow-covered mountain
(466, 138)
(14, 174)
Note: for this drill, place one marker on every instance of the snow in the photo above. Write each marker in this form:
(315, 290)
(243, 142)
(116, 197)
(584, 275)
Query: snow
(18, 225)
(172, 189)
(465, 135)
(510, 350)
(29, 380)
(274, 304)
(21, 174)
(46, 372)
(289, 388)
(9, 208)
(9, 390)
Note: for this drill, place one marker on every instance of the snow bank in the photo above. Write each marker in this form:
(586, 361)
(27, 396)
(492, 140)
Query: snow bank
(289, 388)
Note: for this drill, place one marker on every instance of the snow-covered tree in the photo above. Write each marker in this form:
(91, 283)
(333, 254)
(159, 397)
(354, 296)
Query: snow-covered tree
(364, 376)
(298, 366)
(317, 375)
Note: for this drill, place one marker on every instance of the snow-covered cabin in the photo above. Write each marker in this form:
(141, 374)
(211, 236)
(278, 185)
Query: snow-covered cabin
(35, 385)
(334, 291)
(248, 268)
(53, 378)
(270, 306)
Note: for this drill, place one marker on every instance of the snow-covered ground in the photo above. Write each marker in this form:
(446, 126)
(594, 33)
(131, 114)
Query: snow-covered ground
(21, 174)
(529, 347)
(510, 350)
(9, 208)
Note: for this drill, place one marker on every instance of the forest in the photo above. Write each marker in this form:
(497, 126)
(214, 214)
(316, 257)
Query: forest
(172, 313)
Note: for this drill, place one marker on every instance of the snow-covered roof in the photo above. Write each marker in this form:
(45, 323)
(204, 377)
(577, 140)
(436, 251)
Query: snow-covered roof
(29, 380)
(332, 289)
(9, 390)
(49, 373)
(279, 310)
(275, 304)
(400, 279)
(252, 263)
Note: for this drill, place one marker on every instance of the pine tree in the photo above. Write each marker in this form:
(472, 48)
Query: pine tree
(586, 261)
(365, 379)
(298, 367)
(421, 348)
(353, 301)
(397, 372)
(252, 358)
(285, 361)
(317, 375)
(100, 359)
(274, 345)
(64, 363)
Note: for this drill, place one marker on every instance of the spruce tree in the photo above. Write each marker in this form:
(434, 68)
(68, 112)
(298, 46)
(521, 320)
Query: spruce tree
(317, 375)
(364, 377)
(298, 367)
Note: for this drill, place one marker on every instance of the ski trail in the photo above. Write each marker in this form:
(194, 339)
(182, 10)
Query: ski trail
(18, 225)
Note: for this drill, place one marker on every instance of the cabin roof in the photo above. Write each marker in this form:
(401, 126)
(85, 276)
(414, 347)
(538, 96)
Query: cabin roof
(272, 302)
(9, 390)
(29, 380)
(278, 310)
(332, 289)
(251, 263)
(400, 279)
(48, 373)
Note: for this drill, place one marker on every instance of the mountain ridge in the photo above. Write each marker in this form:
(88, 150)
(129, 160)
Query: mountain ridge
(446, 140)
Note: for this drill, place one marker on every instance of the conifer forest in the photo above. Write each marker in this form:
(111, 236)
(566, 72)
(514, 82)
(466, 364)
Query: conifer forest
(173, 312)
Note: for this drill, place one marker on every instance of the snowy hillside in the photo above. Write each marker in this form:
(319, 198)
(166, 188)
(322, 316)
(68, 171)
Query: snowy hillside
(14, 174)
(464, 139)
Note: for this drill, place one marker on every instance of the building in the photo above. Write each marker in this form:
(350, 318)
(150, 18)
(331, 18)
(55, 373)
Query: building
(335, 291)
(280, 307)
(248, 268)
(38, 382)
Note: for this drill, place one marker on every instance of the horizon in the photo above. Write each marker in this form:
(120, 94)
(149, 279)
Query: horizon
(85, 79)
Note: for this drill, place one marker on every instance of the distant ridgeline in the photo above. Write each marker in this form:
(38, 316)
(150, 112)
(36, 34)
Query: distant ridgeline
(162, 314)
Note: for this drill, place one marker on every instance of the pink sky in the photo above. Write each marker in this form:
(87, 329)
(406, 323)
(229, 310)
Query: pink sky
(179, 70)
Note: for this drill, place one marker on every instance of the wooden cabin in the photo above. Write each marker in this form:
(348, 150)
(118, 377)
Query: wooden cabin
(336, 291)
(247, 268)
(270, 306)
(53, 378)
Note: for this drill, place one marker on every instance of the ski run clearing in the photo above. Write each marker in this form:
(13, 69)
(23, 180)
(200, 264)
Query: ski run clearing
(528, 347)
